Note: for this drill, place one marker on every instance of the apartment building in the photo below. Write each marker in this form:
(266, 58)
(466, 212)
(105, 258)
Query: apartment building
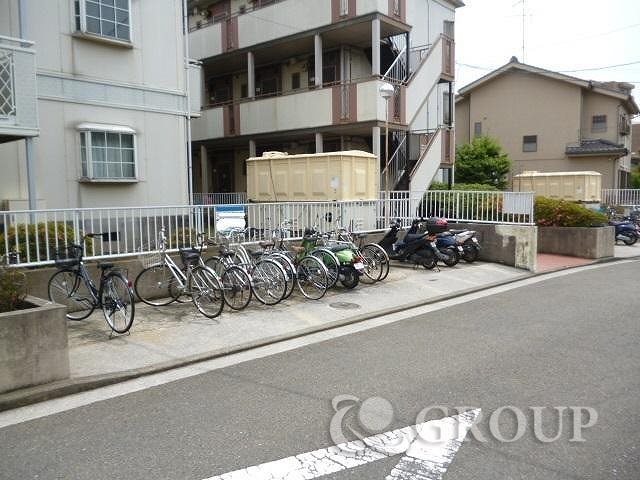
(305, 76)
(550, 122)
(93, 103)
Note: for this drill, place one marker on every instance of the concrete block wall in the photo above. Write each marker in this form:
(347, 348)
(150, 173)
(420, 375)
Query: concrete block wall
(587, 242)
(33, 345)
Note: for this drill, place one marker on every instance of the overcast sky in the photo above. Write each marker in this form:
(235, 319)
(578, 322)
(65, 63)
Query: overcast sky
(560, 35)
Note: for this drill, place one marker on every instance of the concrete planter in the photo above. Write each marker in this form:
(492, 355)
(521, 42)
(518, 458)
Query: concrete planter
(33, 345)
(584, 242)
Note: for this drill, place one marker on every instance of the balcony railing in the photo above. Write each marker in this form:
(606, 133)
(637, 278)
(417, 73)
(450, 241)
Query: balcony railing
(18, 101)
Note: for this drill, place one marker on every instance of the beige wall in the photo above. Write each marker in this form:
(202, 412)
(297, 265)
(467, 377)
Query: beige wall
(597, 104)
(463, 129)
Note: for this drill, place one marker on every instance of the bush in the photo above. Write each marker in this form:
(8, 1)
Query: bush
(476, 187)
(12, 289)
(482, 161)
(32, 240)
(561, 213)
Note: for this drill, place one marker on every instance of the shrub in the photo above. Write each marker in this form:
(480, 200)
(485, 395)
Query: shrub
(561, 213)
(476, 187)
(31, 240)
(12, 289)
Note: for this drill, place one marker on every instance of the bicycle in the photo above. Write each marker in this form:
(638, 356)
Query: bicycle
(73, 287)
(163, 282)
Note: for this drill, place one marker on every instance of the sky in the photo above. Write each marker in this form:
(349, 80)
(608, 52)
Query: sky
(582, 38)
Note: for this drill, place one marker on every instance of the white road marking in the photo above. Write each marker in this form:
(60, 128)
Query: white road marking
(429, 449)
(51, 407)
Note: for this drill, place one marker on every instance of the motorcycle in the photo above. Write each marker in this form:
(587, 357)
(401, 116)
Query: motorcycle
(469, 243)
(626, 231)
(415, 247)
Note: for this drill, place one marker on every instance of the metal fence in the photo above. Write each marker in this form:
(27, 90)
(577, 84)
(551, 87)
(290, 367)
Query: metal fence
(461, 206)
(219, 198)
(32, 237)
(622, 197)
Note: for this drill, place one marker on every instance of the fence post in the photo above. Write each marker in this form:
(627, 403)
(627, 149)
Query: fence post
(76, 226)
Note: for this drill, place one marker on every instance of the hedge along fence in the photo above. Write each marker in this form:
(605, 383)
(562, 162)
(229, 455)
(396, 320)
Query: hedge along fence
(469, 206)
(26, 241)
(561, 213)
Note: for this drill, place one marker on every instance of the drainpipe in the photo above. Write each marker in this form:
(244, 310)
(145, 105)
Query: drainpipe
(29, 142)
(187, 117)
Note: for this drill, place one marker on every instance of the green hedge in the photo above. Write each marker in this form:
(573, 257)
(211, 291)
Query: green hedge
(475, 187)
(26, 239)
(561, 213)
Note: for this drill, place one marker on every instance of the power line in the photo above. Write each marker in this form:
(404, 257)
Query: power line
(599, 68)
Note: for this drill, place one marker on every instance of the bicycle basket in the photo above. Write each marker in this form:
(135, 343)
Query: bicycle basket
(67, 256)
(151, 259)
(189, 256)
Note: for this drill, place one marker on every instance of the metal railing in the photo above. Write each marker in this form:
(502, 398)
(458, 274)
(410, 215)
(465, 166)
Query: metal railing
(397, 71)
(17, 87)
(31, 237)
(397, 164)
(219, 198)
(621, 197)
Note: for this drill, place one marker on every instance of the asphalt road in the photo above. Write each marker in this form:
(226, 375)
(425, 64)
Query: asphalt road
(570, 341)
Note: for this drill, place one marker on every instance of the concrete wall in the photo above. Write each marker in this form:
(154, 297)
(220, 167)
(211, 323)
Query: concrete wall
(514, 245)
(577, 242)
(33, 346)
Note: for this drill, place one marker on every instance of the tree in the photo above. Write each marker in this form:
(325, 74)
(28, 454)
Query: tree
(482, 161)
(635, 178)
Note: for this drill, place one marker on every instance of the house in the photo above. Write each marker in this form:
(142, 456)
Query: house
(93, 103)
(305, 76)
(550, 122)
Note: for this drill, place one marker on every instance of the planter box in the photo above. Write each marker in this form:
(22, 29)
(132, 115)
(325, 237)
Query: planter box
(584, 242)
(33, 345)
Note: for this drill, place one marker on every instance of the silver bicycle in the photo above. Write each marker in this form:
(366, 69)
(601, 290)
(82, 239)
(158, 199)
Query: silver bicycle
(164, 282)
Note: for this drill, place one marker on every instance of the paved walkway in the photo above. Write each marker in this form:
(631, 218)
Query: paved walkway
(166, 337)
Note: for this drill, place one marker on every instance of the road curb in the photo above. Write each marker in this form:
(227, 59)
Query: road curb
(49, 391)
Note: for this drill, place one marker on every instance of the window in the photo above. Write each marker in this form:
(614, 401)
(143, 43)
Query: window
(344, 8)
(530, 143)
(477, 129)
(448, 28)
(106, 18)
(599, 123)
(295, 81)
(107, 152)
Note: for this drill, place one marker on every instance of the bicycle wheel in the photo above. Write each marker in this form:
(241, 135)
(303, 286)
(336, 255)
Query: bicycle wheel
(117, 302)
(157, 286)
(236, 288)
(312, 277)
(268, 281)
(381, 257)
(372, 266)
(289, 269)
(215, 263)
(206, 291)
(331, 262)
(67, 288)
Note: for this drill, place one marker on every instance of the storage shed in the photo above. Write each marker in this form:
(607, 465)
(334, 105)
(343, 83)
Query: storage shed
(347, 175)
(573, 186)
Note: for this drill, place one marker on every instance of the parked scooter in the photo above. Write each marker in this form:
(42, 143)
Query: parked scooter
(343, 262)
(415, 247)
(469, 243)
(626, 231)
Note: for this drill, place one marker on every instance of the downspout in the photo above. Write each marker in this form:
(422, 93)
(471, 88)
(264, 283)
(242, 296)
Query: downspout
(29, 143)
(185, 29)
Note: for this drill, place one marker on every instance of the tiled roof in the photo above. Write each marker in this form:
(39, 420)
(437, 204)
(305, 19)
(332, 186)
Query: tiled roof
(590, 147)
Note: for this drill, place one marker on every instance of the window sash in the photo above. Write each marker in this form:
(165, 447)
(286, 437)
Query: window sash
(530, 143)
(106, 18)
(107, 155)
(599, 123)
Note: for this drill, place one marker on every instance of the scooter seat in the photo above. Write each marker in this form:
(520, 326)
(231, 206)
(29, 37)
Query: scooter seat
(444, 234)
(455, 232)
(413, 237)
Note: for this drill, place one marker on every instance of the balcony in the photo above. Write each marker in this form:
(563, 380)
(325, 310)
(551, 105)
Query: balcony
(333, 105)
(18, 97)
(249, 27)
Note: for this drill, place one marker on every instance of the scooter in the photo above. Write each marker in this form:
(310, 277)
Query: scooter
(343, 262)
(626, 231)
(469, 243)
(415, 247)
